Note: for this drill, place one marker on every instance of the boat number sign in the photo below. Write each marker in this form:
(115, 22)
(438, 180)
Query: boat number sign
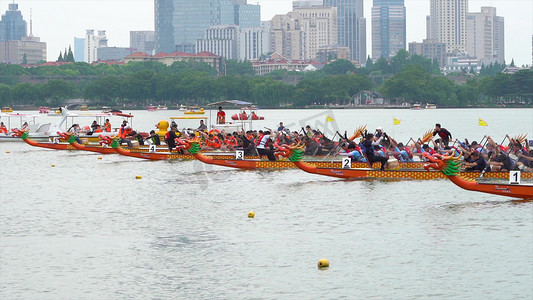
(239, 154)
(514, 177)
(346, 163)
(152, 149)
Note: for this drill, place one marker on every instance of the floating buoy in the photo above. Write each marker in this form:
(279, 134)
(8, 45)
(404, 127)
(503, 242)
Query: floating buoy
(8, 151)
(323, 263)
(53, 165)
(138, 177)
(251, 214)
(99, 157)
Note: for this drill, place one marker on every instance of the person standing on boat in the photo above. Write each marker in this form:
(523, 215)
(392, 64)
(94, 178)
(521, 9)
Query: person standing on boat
(3, 128)
(221, 116)
(263, 148)
(170, 138)
(444, 135)
(107, 125)
(369, 143)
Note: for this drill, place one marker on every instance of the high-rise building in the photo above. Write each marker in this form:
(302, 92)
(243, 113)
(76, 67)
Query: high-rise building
(113, 53)
(447, 23)
(221, 40)
(388, 28)
(12, 26)
(79, 49)
(431, 49)
(319, 24)
(351, 26)
(287, 37)
(143, 41)
(179, 23)
(92, 43)
(485, 35)
(28, 50)
(253, 42)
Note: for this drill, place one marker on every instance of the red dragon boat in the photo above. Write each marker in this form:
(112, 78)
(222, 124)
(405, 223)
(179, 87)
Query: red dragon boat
(295, 154)
(451, 166)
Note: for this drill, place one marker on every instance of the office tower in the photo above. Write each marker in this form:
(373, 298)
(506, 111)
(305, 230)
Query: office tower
(319, 24)
(266, 29)
(221, 40)
(388, 28)
(351, 26)
(143, 41)
(79, 49)
(447, 23)
(179, 23)
(287, 37)
(431, 49)
(485, 36)
(92, 43)
(12, 26)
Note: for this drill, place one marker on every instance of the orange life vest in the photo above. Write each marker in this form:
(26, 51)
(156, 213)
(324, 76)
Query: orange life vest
(3, 129)
(107, 127)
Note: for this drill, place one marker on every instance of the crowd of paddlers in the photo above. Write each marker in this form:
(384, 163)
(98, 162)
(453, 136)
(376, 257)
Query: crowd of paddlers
(364, 146)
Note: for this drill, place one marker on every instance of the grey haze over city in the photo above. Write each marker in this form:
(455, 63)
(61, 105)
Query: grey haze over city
(57, 22)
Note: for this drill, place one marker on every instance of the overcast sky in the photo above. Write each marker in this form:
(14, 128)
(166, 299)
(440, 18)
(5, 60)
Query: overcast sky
(57, 22)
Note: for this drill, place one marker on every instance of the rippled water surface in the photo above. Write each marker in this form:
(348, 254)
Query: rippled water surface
(87, 229)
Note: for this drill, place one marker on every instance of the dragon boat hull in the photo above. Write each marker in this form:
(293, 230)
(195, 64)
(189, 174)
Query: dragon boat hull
(412, 174)
(523, 191)
(450, 167)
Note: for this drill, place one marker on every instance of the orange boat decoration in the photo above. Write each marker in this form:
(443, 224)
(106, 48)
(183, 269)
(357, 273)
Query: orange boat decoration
(450, 167)
(295, 154)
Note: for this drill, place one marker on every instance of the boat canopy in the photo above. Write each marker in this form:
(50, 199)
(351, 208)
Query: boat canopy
(230, 102)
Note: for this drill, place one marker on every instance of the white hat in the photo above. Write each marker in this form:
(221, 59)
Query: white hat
(379, 128)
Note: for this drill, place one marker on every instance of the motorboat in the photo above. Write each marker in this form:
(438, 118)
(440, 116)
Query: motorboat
(416, 106)
(44, 109)
(7, 109)
(195, 112)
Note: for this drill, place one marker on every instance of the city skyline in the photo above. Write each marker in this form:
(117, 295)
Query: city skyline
(78, 16)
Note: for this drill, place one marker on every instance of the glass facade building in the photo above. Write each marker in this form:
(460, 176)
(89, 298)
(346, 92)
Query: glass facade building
(12, 26)
(179, 23)
(351, 26)
(388, 28)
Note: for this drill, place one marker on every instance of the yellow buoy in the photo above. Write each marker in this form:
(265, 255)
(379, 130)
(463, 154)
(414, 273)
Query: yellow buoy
(323, 263)
(8, 151)
(99, 157)
(53, 165)
(251, 214)
(138, 177)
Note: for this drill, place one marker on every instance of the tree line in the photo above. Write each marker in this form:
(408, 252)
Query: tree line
(403, 78)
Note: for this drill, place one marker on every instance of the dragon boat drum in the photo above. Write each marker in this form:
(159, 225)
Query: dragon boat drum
(392, 164)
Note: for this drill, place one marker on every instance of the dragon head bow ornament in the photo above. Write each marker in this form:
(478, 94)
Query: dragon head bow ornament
(448, 165)
(293, 152)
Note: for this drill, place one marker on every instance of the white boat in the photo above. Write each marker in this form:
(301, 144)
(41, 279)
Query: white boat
(431, 106)
(182, 108)
(35, 130)
(416, 106)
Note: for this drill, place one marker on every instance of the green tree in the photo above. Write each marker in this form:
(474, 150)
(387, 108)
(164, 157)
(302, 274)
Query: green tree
(60, 57)
(339, 66)
(235, 67)
(24, 59)
(5, 95)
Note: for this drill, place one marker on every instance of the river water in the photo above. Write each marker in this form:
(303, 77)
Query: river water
(88, 229)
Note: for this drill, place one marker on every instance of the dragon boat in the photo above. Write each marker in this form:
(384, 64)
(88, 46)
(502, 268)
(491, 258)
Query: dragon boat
(451, 168)
(193, 147)
(49, 145)
(295, 154)
(161, 153)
